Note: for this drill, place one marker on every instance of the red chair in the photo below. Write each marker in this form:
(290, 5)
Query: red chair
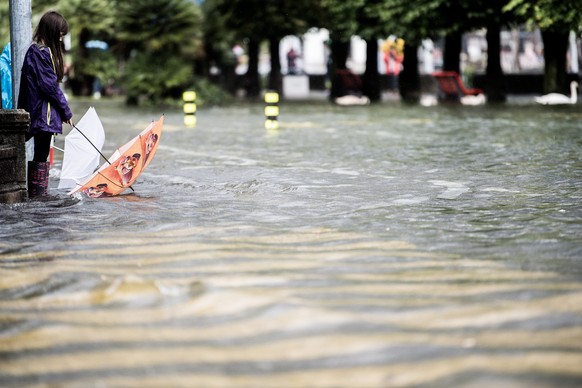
(451, 86)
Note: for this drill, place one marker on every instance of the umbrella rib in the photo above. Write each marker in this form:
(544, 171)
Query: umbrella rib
(97, 149)
(100, 153)
(115, 183)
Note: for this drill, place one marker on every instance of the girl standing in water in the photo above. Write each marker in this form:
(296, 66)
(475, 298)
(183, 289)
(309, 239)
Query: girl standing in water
(41, 96)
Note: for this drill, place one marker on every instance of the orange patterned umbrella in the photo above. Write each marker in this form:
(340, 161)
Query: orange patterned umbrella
(125, 165)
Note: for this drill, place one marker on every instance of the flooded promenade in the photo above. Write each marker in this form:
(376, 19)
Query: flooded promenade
(377, 246)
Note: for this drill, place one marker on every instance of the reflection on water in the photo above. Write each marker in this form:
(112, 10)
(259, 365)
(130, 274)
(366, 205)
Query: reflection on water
(375, 246)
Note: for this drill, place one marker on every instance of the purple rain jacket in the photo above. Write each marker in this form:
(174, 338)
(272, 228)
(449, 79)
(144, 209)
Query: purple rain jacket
(40, 94)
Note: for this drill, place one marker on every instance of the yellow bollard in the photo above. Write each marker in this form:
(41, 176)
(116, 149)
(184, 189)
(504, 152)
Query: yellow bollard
(272, 110)
(189, 98)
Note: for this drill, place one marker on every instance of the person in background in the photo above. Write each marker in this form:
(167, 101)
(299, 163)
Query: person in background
(292, 61)
(6, 77)
(41, 96)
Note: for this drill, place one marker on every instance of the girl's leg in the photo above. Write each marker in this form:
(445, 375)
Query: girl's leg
(42, 146)
(38, 167)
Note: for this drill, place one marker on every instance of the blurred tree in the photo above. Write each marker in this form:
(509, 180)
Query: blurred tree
(340, 17)
(38, 8)
(240, 19)
(469, 15)
(254, 21)
(160, 40)
(418, 19)
(5, 25)
(371, 28)
(413, 20)
(144, 29)
(218, 46)
(286, 17)
(555, 18)
(90, 20)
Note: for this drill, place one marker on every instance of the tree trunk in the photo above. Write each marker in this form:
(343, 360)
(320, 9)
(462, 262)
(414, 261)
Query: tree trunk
(84, 81)
(409, 78)
(252, 82)
(340, 50)
(371, 81)
(275, 78)
(555, 49)
(495, 87)
(339, 53)
(452, 54)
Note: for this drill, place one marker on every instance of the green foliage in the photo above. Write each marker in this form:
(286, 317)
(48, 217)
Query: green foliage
(160, 38)
(412, 19)
(38, 8)
(340, 17)
(259, 19)
(156, 77)
(208, 94)
(555, 15)
(95, 16)
(155, 43)
(5, 25)
(167, 85)
(172, 26)
(91, 20)
(218, 39)
(99, 64)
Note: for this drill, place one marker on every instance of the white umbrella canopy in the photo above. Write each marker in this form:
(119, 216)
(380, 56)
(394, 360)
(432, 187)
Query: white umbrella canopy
(81, 156)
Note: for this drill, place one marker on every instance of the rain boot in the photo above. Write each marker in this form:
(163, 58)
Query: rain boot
(38, 175)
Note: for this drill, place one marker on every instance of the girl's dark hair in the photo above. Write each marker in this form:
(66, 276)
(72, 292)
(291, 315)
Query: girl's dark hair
(51, 27)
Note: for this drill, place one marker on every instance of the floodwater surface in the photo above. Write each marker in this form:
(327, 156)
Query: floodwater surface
(377, 246)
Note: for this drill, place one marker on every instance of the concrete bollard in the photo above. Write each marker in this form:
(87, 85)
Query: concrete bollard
(14, 124)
